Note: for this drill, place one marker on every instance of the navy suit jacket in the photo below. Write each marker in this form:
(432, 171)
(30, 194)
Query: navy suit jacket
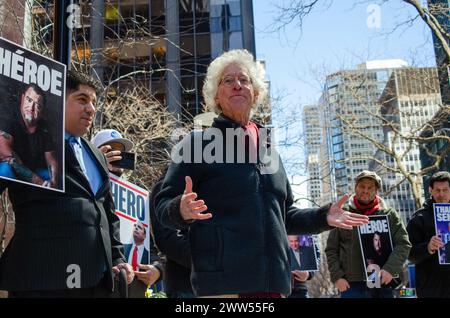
(307, 257)
(143, 260)
(296, 266)
(56, 232)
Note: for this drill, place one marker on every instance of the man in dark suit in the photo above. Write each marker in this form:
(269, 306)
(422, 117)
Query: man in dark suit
(67, 244)
(136, 253)
(111, 143)
(308, 256)
(147, 271)
(299, 276)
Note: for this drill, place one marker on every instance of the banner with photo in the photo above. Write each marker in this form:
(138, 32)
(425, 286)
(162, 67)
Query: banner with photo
(307, 254)
(32, 98)
(442, 223)
(131, 203)
(376, 243)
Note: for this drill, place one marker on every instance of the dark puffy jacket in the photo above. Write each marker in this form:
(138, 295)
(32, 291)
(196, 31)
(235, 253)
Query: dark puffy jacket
(174, 246)
(432, 279)
(243, 248)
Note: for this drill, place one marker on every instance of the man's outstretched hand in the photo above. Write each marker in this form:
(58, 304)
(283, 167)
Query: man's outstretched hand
(338, 217)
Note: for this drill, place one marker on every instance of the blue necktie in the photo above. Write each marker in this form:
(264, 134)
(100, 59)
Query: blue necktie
(78, 153)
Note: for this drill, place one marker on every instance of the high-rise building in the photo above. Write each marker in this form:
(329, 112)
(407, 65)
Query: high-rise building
(350, 109)
(409, 100)
(327, 186)
(440, 9)
(440, 125)
(312, 134)
(165, 45)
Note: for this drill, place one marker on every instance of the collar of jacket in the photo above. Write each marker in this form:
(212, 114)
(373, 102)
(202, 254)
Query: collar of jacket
(223, 121)
(427, 206)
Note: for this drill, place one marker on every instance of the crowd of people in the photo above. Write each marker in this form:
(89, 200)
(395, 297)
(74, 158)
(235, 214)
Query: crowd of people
(223, 223)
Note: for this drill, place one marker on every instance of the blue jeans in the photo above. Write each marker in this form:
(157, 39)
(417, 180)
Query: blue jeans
(360, 290)
(8, 172)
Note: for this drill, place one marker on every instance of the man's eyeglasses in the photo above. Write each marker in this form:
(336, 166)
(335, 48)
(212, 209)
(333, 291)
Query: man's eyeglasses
(230, 80)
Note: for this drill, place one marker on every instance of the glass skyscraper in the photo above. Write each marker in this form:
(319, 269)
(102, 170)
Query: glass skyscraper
(165, 45)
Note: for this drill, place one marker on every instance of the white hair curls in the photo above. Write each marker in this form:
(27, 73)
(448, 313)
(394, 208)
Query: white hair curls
(242, 58)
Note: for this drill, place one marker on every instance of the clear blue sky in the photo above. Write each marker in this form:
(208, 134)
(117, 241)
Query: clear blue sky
(332, 38)
(335, 38)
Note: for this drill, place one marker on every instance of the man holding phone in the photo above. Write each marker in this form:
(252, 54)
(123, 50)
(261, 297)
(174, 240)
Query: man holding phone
(147, 271)
(116, 150)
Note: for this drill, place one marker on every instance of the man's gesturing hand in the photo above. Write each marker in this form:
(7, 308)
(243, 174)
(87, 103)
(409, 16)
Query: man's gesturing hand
(190, 208)
(340, 218)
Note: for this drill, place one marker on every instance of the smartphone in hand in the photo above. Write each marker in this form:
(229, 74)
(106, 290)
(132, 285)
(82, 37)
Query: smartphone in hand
(128, 161)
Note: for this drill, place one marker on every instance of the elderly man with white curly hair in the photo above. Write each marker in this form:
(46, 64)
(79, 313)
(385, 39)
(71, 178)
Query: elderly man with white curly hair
(238, 208)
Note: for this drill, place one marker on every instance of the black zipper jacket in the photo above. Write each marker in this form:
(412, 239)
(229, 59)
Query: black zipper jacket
(432, 279)
(243, 248)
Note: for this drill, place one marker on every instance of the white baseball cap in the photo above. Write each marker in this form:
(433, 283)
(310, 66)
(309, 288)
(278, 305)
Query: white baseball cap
(111, 135)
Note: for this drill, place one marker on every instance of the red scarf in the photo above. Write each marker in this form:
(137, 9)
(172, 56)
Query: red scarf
(253, 131)
(367, 209)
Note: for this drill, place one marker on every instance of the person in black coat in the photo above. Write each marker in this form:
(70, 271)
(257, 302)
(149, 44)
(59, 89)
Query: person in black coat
(299, 276)
(147, 271)
(227, 184)
(174, 246)
(432, 279)
(67, 244)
